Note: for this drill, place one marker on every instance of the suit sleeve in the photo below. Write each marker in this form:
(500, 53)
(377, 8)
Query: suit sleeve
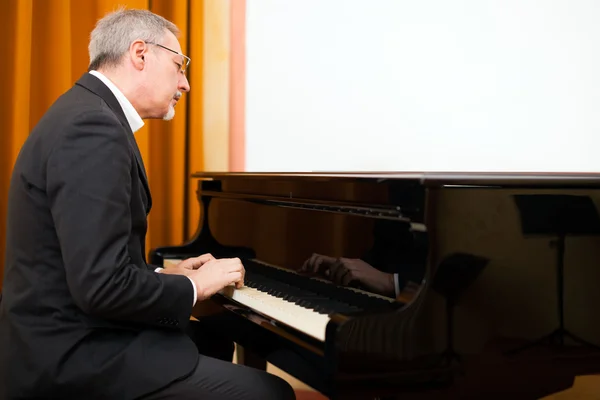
(89, 189)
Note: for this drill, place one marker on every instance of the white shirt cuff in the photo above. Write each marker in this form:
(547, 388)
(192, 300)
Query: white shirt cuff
(195, 292)
(396, 285)
(193, 285)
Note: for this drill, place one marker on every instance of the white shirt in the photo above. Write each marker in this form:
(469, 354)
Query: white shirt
(135, 122)
(133, 118)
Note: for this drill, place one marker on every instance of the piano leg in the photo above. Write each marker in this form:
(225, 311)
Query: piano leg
(250, 359)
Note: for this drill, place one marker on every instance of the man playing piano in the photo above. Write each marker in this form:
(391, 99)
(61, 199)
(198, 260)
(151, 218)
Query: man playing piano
(82, 314)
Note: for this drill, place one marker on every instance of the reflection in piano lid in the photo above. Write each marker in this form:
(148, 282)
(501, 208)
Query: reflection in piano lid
(380, 282)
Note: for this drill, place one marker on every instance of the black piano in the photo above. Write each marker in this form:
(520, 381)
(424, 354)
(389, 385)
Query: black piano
(375, 284)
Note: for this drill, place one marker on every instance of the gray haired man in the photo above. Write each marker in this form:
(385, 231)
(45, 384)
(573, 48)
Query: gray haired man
(83, 315)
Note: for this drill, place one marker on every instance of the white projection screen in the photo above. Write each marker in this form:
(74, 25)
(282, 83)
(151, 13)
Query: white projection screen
(423, 85)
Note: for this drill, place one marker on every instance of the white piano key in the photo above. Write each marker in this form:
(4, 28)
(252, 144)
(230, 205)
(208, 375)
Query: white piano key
(300, 318)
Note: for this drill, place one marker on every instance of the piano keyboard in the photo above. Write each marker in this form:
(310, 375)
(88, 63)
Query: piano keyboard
(301, 302)
(303, 319)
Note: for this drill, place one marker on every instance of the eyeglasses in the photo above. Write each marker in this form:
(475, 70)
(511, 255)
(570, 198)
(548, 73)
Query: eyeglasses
(185, 60)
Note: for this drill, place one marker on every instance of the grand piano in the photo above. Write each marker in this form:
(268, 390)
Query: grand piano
(374, 284)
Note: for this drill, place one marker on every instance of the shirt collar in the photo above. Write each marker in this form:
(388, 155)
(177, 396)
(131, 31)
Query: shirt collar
(133, 118)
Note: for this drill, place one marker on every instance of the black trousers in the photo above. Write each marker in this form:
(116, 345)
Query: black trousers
(217, 378)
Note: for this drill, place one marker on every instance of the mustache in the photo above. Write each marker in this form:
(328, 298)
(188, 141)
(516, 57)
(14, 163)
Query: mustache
(177, 95)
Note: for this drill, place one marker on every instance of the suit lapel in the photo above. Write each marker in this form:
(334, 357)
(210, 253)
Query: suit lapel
(96, 86)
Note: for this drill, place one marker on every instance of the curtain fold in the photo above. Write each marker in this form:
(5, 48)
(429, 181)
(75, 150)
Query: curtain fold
(165, 150)
(45, 52)
(16, 27)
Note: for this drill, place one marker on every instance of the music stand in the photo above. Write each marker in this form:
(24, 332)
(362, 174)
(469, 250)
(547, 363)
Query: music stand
(455, 274)
(558, 216)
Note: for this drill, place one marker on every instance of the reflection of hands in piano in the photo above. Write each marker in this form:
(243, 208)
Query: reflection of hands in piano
(349, 271)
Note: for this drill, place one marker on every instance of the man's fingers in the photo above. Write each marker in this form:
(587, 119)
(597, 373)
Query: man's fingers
(187, 264)
(237, 278)
(204, 258)
(243, 274)
(196, 262)
(233, 264)
(235, 271)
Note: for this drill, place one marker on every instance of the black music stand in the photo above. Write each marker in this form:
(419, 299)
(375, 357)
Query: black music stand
(557, 216)
(455, 274)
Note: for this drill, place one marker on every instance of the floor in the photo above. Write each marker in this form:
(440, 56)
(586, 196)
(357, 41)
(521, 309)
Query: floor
(584, 388)
(542, 375)
(306, 395)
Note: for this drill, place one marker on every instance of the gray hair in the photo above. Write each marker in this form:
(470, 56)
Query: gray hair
(114, 33)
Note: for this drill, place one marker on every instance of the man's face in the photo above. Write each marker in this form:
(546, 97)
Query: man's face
(166, 79)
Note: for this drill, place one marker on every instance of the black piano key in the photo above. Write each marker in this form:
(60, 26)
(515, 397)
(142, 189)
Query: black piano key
(321, 297)
(287, 281)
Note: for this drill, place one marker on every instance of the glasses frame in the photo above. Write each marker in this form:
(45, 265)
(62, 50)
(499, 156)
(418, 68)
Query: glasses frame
(186, 59)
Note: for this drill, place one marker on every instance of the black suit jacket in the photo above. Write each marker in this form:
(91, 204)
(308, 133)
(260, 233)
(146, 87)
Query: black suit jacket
(82, 314)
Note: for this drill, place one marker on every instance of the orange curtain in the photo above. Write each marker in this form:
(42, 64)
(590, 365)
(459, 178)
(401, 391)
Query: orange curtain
(45, 51)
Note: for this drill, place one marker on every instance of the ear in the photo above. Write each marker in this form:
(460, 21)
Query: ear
(137, 53)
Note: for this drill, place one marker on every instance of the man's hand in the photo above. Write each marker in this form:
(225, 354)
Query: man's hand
(186, 266)
(195, 262)
(216, 274)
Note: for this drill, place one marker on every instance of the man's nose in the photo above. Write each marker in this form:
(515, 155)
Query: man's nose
(184, 85)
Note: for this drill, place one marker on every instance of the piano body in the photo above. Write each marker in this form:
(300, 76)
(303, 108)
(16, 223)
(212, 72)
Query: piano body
(358, 282)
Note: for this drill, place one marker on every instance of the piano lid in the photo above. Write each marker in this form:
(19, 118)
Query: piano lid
(432, 178)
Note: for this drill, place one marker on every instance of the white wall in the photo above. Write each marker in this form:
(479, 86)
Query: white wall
(405, 85)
